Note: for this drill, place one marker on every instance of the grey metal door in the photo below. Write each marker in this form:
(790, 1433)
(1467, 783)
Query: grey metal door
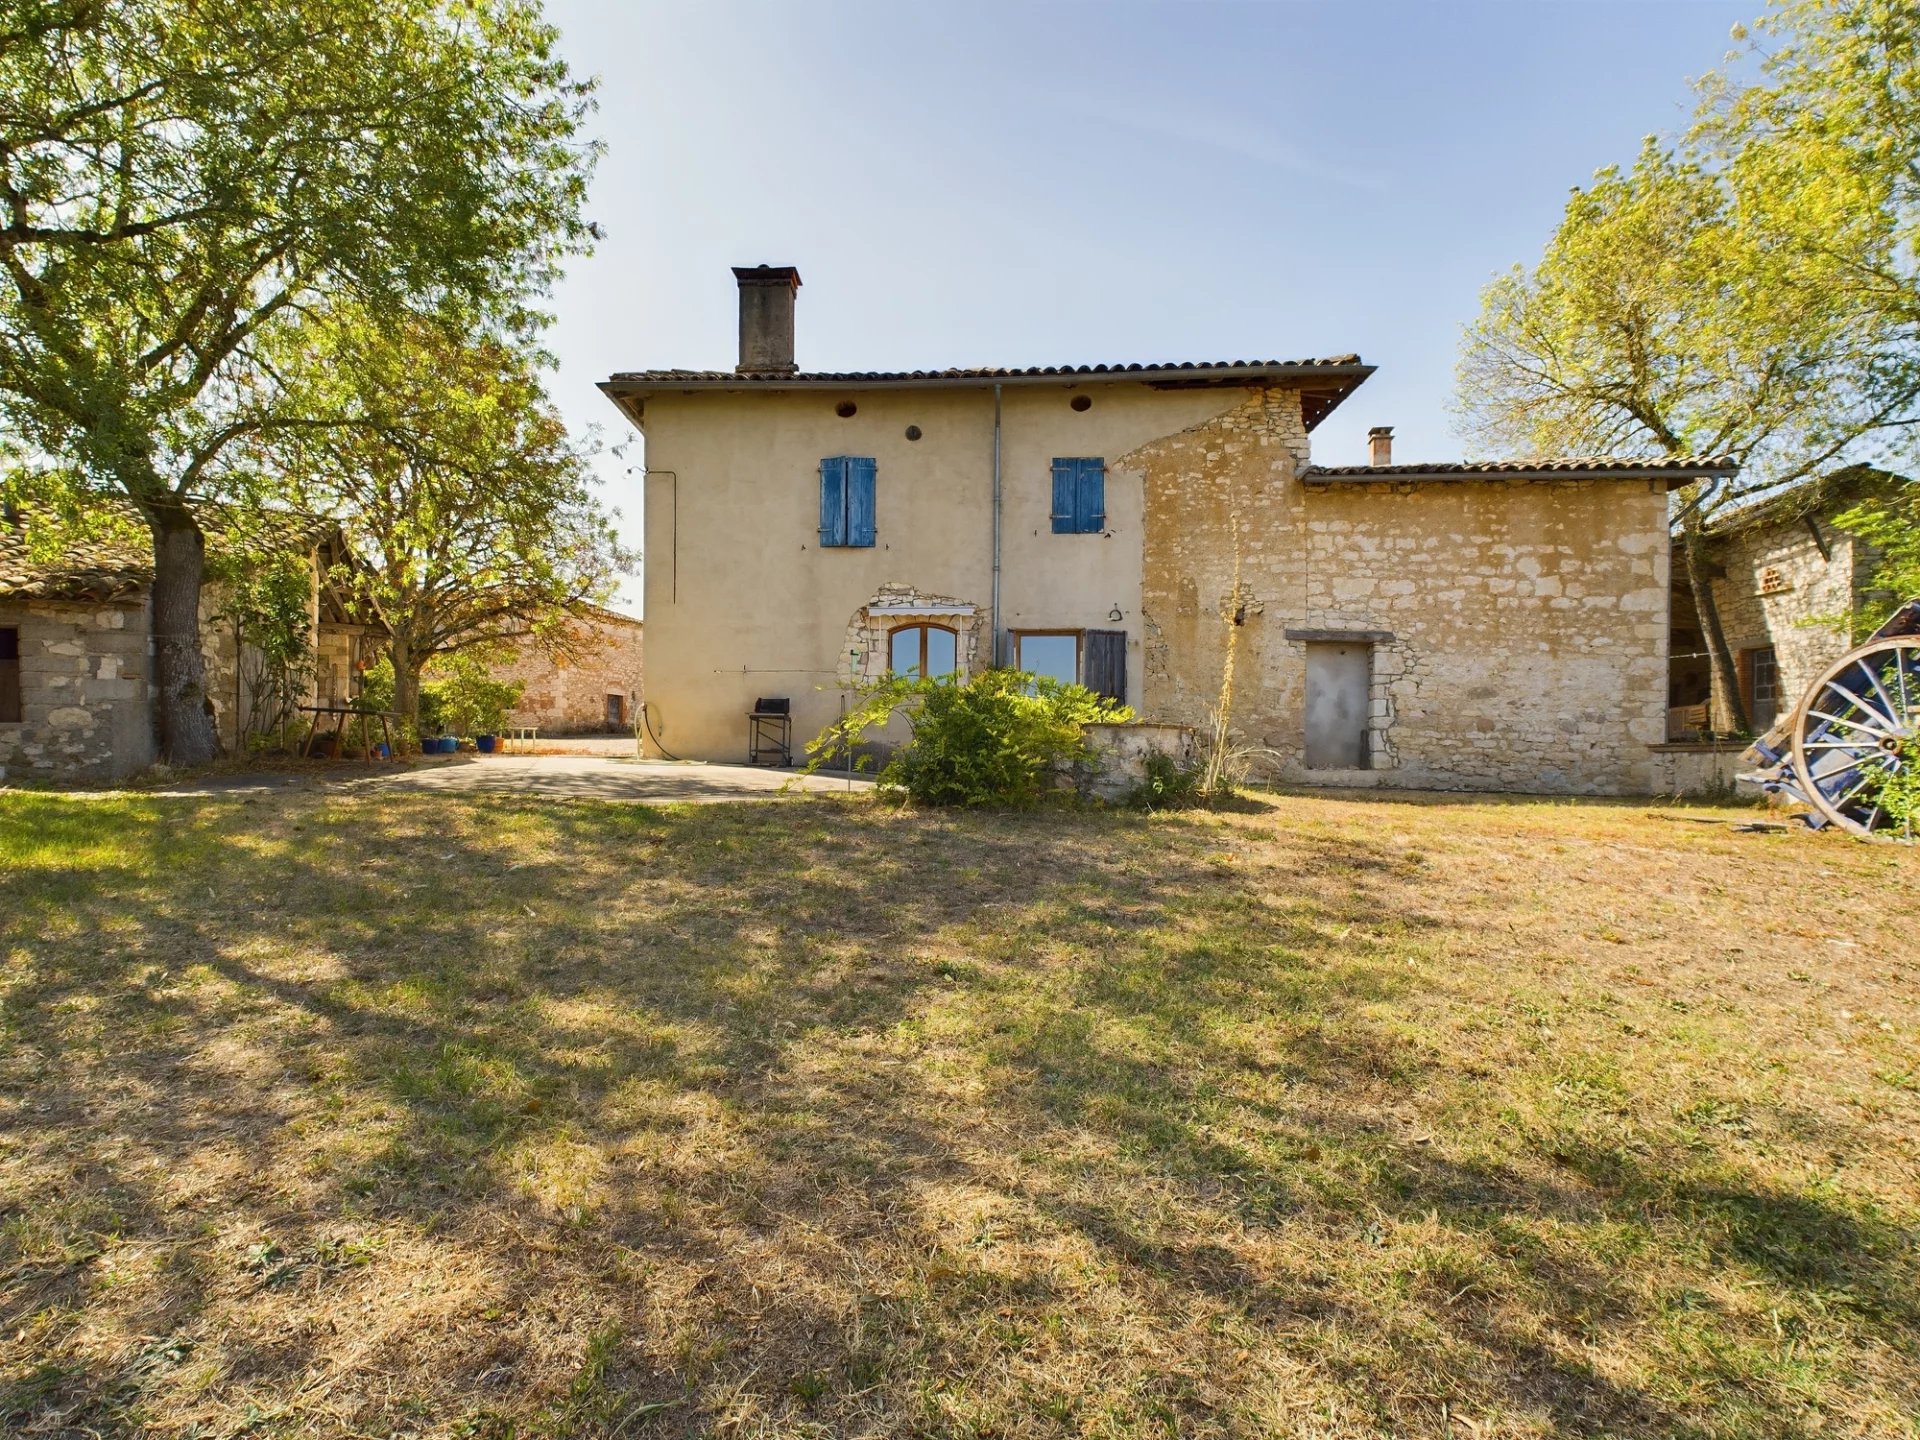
(1339, 676)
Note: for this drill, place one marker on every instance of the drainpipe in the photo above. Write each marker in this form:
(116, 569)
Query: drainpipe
(996, 525)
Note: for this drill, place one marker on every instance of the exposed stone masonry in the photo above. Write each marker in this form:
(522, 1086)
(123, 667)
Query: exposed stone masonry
(1528, 621)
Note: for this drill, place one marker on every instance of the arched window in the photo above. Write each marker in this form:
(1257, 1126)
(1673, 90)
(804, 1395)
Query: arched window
(923, 650)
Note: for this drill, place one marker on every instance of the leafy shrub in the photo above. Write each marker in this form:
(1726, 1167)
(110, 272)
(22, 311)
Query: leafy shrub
(463, 698)
(998, 738)
(1166, 784)
(1898, 795)
(1891, 524)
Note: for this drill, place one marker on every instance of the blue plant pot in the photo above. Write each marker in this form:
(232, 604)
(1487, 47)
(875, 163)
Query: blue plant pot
(485, 743)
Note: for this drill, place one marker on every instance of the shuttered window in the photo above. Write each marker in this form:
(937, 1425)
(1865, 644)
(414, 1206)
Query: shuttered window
(847, 500)
(9, 675)
(1079, 496)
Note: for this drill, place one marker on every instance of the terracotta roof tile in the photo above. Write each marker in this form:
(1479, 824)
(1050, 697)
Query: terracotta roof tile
(775, 379)
(1571, 467)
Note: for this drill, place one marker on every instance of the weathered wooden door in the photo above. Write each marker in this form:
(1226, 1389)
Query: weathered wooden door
(1104, 668)
(1339, 675)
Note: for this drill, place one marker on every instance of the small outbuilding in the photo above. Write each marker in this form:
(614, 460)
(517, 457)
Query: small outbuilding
(76, 652)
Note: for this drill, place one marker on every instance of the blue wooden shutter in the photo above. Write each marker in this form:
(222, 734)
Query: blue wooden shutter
(833, 502)
(1090, 497)
(860, 486)
(1063, 496)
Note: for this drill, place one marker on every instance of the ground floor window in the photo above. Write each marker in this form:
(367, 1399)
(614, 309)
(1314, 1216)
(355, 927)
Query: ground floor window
(1053, 653)
(923, 650)
(1760, 679)
(616, 712)
(9, 675)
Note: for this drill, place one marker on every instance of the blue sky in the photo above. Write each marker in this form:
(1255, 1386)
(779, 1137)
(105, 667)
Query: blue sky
(1075, 183)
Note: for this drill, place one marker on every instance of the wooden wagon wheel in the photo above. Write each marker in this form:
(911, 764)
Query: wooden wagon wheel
(1858, 724)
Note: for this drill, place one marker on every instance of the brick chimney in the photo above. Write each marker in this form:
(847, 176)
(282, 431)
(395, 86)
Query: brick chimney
(1379, 445)
(766, 319)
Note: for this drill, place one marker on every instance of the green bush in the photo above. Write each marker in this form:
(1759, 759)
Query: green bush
(999, 738)
(1166, 784)
(463, 698)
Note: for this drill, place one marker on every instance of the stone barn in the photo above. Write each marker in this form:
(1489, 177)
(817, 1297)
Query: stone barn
(593, 688)
(76, 669)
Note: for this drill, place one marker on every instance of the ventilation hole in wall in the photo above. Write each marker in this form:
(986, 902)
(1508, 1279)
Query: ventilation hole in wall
(913, 432)
(1081, 402)
(846, 409)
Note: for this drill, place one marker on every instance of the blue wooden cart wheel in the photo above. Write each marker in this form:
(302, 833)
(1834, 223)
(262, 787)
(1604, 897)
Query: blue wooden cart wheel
(1857, 726)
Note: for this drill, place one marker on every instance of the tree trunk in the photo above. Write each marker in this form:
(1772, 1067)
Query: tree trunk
(406, 686)
(1726, 676)
(183, 710)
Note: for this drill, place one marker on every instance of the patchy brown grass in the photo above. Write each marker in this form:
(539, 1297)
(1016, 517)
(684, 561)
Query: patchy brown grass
(448, 1117)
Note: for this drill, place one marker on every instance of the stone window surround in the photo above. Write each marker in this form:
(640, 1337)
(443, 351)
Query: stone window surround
(866, 653)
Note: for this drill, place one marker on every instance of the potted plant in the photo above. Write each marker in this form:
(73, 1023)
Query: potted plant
(468, 700)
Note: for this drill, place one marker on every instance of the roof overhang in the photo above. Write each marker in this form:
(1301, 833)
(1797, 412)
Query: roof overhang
(1671, 473)
(1322, 384)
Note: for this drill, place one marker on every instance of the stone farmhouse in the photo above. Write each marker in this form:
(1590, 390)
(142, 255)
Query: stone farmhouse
(1493, 627)
(76, 655)
(1787, 583)
(593, 689)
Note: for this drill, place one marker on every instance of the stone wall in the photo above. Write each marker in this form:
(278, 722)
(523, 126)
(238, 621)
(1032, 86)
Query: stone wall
(86, 708)
(1519, 630)
(570, 697)
(1779, 588)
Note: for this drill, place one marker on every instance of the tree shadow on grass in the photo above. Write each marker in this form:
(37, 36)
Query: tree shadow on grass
(822, 1106)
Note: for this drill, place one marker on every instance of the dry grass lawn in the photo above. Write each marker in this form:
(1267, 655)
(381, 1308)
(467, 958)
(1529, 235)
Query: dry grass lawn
(440, 1117)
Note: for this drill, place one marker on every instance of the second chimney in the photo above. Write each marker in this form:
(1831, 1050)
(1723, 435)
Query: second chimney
(766, 318)
(1379, 444)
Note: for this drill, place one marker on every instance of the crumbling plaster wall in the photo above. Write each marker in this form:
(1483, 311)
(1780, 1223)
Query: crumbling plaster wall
(1528, 622)
(86, 707)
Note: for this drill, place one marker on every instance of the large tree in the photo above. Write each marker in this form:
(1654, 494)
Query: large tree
(1660, 322)
(181, 181)
(471, 512)
(1819, 141)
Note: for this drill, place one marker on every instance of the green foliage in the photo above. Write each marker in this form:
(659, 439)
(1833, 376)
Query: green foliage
(187, 181)
(1892, 526)
(1166, 784)
(472, 513)
(266, 591)
(998, 738)
(1897, 793)
(1659, 322)
(463, 698)
(1820, 143)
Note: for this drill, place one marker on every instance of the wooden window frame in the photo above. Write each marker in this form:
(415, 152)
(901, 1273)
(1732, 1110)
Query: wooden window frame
(12, 701)
(1744, 666)
(923, 626)
(1079, 648)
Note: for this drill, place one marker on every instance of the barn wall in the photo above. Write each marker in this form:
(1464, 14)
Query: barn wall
(1519, 630)
(85, 694)
(571, 698)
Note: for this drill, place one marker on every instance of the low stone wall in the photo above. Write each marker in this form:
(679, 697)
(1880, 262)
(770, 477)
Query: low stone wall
(1121, 752)
(1703, 769)
(86, 709)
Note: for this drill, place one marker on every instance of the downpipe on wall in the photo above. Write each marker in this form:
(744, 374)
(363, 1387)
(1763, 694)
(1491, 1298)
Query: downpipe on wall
(997, 631)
